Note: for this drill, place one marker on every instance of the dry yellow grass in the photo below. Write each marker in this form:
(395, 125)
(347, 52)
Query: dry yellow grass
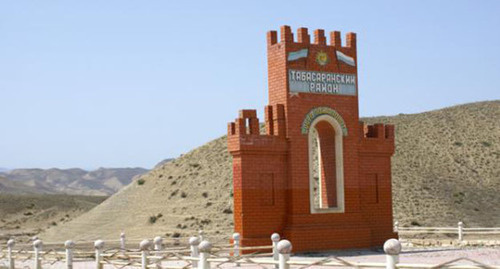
(446, 168)
(24, 215)
(447, 165)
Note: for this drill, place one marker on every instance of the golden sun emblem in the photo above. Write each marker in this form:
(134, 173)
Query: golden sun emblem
(322, 58)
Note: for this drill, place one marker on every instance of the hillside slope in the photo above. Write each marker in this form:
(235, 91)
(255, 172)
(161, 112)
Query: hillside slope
(23, 215)
(447, 165)
(445, 169)
(103, 181)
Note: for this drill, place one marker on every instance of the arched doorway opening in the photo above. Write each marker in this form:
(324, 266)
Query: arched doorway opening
(326, 173)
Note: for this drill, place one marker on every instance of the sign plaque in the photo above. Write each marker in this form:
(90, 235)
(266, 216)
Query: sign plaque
(321, 82)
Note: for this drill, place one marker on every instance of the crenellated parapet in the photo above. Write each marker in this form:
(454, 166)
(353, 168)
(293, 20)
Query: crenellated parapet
(377, 138)
(244, 131)
(246, 123)
(303, 37)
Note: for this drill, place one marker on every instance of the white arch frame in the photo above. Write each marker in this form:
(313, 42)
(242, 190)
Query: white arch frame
(339, 166)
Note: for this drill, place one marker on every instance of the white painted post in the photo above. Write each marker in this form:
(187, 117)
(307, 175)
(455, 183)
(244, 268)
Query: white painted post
(69, 245)
(392, 248)
(284, 249)
(275, 237)
(98, 246)
(37, 246)
(396, 226)
(201, 233)
(236, 246)
(193, 242)
(122, 242)
(158, 241)
(144, 247)
(204, 247)
(10, 246)
(460, 231)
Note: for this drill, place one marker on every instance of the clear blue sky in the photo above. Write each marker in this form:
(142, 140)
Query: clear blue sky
(129, 83)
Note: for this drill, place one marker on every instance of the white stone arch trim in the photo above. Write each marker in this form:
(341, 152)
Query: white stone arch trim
(339, 165)
(319, 111)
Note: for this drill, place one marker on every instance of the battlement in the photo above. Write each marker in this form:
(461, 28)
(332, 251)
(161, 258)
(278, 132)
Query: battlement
(376, 139)
(303, 37)
(247, 122)
(377, 130)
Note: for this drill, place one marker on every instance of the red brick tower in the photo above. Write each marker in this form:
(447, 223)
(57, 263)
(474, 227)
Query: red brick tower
(319, 176)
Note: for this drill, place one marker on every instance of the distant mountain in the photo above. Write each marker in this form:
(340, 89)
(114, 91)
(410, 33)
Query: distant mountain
(103, 181)
(13, 187)
(3, 169)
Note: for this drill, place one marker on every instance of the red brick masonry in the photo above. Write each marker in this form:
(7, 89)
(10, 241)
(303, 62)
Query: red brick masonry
(271, 171)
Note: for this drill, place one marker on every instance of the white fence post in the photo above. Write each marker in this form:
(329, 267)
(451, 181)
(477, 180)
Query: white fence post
(10, 246)
(122, 242)
(392, 248)
(204, 247)
(158, 241)
(275, 237)
(37, 245)
(98, 246)
(396, 226)
(144, 247)
(69, 245)
(460, 231)
(236, 247)
(193, 242)
(284, 249)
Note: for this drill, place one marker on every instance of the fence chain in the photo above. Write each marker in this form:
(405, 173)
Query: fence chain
(331, 259)
(247, 259)
(482, 265)
(167, 256)
(120, 255)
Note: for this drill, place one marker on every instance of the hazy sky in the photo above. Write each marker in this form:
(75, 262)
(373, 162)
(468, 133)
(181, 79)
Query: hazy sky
(129, 83)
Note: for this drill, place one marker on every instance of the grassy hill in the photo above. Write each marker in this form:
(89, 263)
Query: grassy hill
(445, 169)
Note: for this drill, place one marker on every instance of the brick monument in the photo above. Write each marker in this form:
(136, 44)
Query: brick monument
(317, 176)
